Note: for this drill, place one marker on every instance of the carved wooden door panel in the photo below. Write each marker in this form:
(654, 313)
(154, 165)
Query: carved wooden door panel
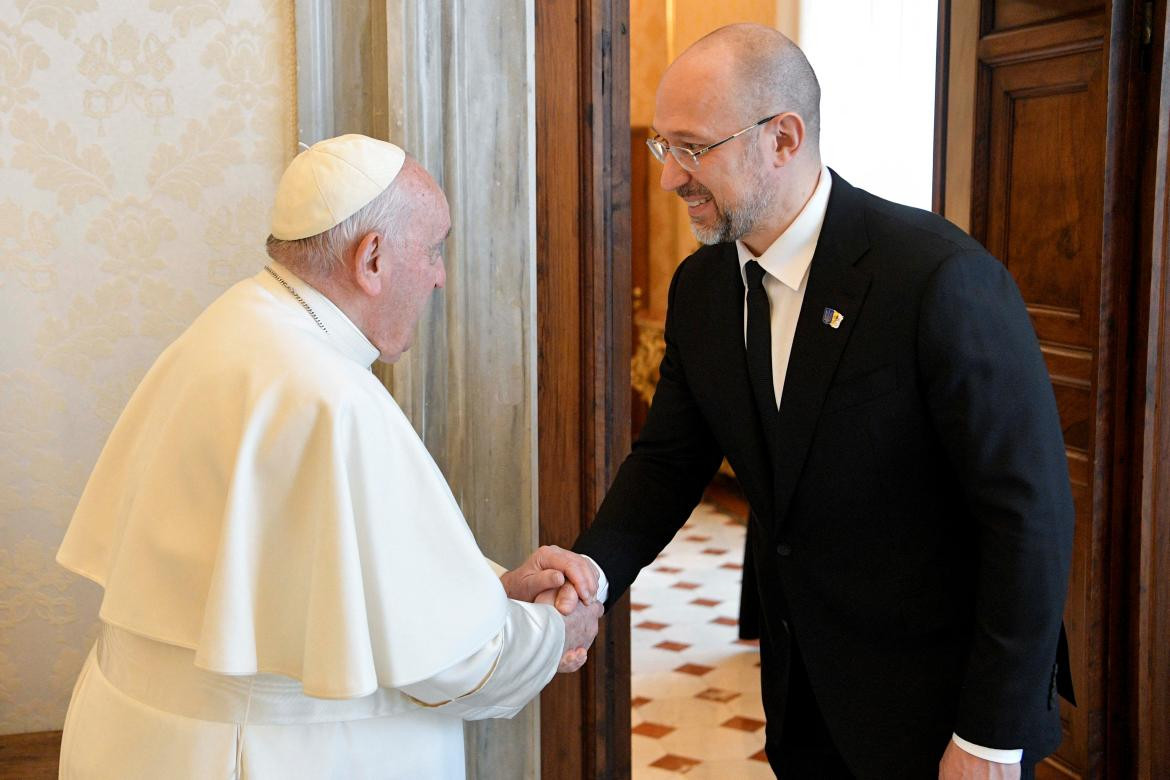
(1035, 170)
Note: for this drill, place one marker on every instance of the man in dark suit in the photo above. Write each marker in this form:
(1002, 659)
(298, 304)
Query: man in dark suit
(871, 374)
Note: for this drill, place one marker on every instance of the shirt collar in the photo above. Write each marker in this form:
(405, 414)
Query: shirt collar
(343, 334)
(790, 255)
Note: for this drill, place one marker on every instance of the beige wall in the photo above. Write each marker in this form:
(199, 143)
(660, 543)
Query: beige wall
(659, 31)
(139, 148)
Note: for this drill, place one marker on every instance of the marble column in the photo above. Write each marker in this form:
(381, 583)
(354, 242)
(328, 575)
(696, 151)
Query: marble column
(452, 81)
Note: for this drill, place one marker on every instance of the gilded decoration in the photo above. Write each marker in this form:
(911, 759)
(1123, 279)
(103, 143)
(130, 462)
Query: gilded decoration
(647, 357)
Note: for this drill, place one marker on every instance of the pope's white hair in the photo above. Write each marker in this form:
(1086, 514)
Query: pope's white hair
(323, 253)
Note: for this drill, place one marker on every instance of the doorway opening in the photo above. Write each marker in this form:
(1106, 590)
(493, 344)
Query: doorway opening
(695, 687)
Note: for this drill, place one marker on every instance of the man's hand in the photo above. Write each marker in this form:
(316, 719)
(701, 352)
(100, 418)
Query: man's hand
(570, 576)
(580, 631)
(958, 764)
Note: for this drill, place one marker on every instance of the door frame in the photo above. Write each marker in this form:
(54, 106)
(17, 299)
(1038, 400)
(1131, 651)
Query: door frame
(583, 344)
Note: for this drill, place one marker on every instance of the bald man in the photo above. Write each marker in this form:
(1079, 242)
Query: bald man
(872, 376)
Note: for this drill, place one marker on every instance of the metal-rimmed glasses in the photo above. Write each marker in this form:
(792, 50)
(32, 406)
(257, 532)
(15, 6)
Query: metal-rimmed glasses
(688, 159)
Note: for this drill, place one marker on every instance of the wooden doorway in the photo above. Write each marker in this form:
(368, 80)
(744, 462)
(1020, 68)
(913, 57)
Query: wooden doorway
(1051, 151)
(583, 343)
(1065, 104)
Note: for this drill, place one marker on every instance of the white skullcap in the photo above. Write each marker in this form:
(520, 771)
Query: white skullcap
(330, 181)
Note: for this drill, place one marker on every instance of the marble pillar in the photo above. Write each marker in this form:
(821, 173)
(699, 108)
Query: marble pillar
(452, 81)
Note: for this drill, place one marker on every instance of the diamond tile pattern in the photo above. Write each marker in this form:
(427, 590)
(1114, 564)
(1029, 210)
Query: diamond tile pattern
(672, 763)
(696, 689)
(696, 669)
(674, 647)
(743, 724)
(652, 730)
(715, 694)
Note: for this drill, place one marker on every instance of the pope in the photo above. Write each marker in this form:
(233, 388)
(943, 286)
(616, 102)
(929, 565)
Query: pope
(290, 588)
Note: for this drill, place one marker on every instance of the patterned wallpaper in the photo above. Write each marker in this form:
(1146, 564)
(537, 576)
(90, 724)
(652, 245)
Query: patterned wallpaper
(140, 144)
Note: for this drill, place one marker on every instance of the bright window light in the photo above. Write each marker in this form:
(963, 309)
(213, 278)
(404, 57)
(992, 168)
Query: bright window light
(875, 60)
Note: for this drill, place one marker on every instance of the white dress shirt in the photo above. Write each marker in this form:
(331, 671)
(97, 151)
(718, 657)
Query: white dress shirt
(786, 263)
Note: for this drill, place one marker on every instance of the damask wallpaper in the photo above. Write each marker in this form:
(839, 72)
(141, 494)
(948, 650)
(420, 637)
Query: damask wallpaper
(140, 143)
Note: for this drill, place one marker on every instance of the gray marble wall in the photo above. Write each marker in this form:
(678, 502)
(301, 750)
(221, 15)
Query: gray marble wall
(452, 81)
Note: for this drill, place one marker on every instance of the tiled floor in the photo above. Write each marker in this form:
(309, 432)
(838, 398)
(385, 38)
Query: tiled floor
(696, 687)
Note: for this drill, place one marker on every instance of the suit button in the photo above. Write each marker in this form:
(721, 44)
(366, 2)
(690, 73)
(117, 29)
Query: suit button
(783, 550)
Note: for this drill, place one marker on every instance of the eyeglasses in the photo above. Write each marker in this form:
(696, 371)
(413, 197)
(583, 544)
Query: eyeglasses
(688, 159)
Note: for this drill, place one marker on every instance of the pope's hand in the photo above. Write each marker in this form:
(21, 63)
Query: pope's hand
(551, 568)
(580, 631)
(958, 764)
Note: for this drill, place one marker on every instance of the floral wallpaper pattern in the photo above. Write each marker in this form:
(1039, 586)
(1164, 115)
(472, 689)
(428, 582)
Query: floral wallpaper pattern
(140, 144)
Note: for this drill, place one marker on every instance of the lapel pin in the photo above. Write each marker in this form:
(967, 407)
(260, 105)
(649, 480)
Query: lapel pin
(833, 318)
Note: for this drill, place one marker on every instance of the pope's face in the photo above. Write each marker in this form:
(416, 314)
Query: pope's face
(417, 272)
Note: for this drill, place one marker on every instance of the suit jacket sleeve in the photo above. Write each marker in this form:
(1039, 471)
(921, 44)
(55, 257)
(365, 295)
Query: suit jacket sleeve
(992, 406)
(662, 479)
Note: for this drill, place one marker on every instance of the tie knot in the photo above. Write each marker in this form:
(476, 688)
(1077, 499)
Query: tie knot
(755, 275)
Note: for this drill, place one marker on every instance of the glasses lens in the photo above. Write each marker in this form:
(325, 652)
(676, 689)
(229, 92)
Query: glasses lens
(657, 148)
(685, 158)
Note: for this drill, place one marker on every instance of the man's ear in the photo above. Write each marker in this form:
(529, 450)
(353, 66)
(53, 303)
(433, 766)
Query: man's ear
(369, 266)
(787, 135)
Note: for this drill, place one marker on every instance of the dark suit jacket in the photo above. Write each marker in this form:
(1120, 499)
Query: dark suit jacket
(911, 521)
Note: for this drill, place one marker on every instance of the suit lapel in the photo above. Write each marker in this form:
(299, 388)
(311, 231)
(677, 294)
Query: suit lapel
(733, 385)
(835, 284)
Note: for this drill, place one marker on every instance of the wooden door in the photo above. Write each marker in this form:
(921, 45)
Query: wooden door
(1042, 127)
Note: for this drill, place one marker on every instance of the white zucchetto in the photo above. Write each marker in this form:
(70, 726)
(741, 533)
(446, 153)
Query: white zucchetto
(328, 182)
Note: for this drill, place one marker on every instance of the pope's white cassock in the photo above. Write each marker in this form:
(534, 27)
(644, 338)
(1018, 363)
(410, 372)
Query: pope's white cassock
(291, 590)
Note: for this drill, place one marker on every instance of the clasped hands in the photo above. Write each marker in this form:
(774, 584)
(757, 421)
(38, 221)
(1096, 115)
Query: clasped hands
(568, 581)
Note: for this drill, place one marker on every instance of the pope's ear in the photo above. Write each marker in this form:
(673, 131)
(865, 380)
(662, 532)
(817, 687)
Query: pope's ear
(370, 263)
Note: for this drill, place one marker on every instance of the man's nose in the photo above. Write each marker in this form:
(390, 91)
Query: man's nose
(442, 280)
(673, 174)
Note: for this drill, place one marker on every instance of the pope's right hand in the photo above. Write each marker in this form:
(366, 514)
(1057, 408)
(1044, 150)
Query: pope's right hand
(580, 631)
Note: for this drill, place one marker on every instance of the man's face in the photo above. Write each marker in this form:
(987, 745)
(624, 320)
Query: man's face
(417, 271)
(730, 192)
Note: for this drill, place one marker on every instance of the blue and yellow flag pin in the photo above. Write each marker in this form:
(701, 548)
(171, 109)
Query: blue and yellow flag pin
(833, 318)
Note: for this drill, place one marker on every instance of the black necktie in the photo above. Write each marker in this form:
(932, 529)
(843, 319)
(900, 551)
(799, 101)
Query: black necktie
(759, 343)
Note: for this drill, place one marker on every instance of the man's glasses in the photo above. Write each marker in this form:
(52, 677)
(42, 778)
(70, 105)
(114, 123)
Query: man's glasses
(688, 159)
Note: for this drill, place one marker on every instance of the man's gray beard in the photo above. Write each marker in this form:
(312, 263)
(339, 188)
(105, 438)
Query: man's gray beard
(734, 223)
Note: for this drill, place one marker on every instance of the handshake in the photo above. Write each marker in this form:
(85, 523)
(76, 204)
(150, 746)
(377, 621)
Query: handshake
(569, 582)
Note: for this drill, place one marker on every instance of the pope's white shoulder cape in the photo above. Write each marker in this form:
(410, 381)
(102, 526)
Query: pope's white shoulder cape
(263, 501)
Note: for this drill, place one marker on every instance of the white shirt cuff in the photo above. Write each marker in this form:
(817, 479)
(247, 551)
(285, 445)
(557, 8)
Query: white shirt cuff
(465, 677)
(989, 754)
(505, 674)
(602, 582)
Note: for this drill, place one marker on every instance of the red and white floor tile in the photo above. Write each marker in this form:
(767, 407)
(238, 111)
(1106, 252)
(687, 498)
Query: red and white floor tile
(695, 685)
